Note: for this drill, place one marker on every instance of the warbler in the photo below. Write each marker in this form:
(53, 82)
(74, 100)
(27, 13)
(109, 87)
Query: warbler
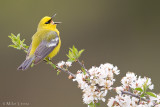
(45, 43)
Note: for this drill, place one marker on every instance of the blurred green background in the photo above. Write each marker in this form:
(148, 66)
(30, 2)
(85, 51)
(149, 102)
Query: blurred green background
(124, 33)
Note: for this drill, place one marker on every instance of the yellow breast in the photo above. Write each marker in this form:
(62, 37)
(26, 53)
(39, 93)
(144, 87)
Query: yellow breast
(56, 50)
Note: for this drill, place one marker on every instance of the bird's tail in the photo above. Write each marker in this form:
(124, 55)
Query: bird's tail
(26, 63)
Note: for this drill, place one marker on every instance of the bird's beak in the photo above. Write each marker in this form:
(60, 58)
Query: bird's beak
(53, 16)
(55, 22)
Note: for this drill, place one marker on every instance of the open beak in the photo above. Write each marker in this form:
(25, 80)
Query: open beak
(55, 22)
(53, 16)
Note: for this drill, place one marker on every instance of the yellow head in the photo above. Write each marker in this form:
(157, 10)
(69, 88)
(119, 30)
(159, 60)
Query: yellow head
(47, 23)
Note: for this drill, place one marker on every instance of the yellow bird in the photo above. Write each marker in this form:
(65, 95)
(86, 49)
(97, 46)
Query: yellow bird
(46, 43)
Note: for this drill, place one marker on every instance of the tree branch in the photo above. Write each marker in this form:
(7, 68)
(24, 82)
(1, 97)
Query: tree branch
(134, 95)
(61, 69)
(66, 71)
(83, 66)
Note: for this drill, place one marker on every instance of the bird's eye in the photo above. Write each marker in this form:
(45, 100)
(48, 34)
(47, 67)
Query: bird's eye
(48, 21)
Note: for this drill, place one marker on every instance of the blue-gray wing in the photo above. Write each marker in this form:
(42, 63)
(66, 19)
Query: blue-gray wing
(46, 47)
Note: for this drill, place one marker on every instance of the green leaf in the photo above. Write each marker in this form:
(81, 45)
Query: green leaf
(71, 55)
(25, 46)
(151, 94)
(75, 51)
(145, 86)
(84, 71)
(92, 105)
(80, 52)
(17, 43)
(18, 36)
(58, 72)
(10, 37)
(32, 64)
(70, 60)
(139, 89)
(97, 104)
(74, 54)
(12, 46)
(142, 95)
(54, 66)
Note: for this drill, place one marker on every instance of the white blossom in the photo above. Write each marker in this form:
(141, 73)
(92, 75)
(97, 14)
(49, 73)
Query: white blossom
(69, 64)
(126, 101)
(95, 87)
(119, 90)
(96, 84)
(131, 81)
(151, 87)
(60, 64)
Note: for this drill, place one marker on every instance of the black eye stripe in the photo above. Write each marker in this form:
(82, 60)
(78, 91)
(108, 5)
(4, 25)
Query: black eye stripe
(48, 21)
